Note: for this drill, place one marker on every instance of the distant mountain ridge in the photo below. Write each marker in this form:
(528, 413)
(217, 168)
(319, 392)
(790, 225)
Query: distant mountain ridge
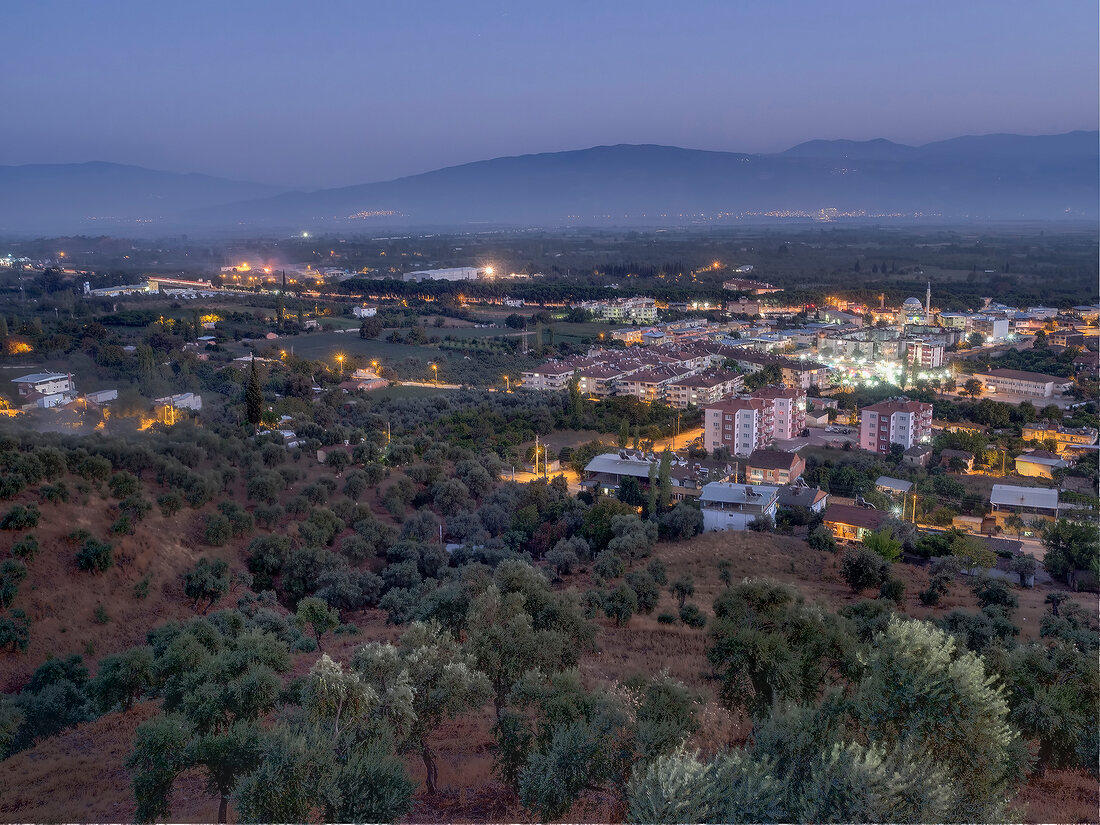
(993, 177)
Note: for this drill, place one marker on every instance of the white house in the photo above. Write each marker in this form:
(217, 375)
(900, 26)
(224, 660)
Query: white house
(44, 383)
(364, 312)
(729, 506)
(181, 401)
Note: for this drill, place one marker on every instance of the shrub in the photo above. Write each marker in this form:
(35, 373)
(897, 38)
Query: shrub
(862, 568)
(217, 530)
(15, 631)
(821, 538)
(666, 618)
(608, 565)
(12, 572)
(892, 589)
(762, 524)
(141, 589)
(206, 582)
(95, 556)
(26, 548)
(692, 616)
(20, 517)
(123, 525)
(170, 503)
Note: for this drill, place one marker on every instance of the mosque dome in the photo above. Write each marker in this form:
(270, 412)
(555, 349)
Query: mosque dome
(912, 305)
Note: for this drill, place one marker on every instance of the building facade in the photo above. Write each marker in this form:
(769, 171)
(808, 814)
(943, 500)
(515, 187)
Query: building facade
(908, 423)
(740, 425)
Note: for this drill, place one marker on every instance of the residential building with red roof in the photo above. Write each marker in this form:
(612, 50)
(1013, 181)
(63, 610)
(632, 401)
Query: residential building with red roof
(897, 421)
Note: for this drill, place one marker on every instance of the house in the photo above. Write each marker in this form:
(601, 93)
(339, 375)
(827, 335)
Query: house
(1009, 499)
(956, 458)
(773, 467)
(849, 523)
(1064, 438)
(364, 311)
(181, 401)
(363, 384)
(893, 486)
(687, 476)
(918, 455)
(102, 396)
(45, 389)
(1039, 464)
(813, 499)
(730, 506)
(817, 418)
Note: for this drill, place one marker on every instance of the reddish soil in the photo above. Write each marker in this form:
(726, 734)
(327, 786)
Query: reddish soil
(78, 775)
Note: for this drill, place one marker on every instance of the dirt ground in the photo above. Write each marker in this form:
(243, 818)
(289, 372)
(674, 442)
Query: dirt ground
(79, 775)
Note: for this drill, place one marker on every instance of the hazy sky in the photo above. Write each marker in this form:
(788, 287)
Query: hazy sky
(333, 93)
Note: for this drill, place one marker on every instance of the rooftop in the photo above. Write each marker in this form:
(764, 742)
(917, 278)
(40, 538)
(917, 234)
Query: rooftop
(1023, 375)
(772, 459)
(853, 516)
(727, 492)
(39, 377)
(897, 484)
(1009, 495)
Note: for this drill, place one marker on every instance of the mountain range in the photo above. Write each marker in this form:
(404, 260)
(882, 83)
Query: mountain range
(990, 177)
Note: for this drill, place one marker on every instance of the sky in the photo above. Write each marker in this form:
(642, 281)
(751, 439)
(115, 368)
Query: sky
(333, 93)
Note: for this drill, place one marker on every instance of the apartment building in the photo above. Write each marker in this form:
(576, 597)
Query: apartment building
(1022, 382)
(549, 377)
(703, 389)
(788, 409)
(923, 355)
(898, 421)
(741, 425)
(651, 384)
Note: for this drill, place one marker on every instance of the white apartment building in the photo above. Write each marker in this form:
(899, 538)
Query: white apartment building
(741, 425)
(703, 389)
(788, 410)
(924, 355)
(549, 377)
(637, 310)
(903, 422)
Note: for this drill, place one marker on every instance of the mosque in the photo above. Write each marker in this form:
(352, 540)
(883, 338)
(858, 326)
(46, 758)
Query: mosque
(914, 312)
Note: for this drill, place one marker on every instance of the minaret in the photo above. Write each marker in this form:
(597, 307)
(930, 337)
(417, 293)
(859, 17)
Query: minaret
(928, 300)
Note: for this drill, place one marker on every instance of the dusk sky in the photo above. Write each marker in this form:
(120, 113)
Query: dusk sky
(338, 93)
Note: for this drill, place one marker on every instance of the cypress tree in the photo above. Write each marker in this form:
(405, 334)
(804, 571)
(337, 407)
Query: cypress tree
(253, 396)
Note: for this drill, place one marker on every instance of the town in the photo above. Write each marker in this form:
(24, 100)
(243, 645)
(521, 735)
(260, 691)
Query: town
(382, 450)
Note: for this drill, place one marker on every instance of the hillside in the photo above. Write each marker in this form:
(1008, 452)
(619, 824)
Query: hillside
(991, 177)
(79, 774)
(102, 197)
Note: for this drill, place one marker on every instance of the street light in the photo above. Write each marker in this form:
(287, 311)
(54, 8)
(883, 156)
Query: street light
(374, 365)
(435, 368)
(507, 383)
(340, 361)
